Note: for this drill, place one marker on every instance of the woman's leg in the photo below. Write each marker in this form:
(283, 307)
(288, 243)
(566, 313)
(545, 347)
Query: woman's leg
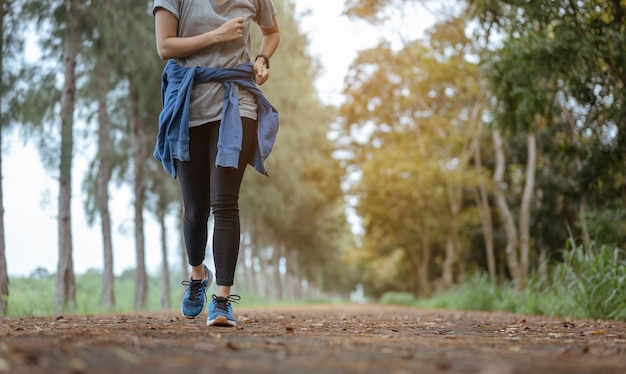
(225, 186)
(194, 177)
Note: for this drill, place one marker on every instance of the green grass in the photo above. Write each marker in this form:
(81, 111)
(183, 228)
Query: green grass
(30, 296)
(587, 284)
(34, 296)
(582, 286)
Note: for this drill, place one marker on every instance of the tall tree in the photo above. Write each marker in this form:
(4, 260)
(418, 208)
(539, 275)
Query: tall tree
(65, 297)
(102, 78)
(37, 104)
(142, 72)
(4, 276)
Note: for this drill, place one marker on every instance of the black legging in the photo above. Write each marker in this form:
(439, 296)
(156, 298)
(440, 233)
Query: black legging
(205, 186)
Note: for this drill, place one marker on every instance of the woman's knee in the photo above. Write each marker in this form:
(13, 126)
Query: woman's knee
(225, 206)
(195, 217)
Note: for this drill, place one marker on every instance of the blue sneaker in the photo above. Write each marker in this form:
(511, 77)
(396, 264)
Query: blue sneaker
(221, 312)
(195, 296)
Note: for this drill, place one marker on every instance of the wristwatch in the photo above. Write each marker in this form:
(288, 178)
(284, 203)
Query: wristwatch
(266, 58)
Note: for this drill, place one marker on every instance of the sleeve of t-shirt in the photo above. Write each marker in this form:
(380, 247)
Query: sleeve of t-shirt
(265, 13)
(172, 6)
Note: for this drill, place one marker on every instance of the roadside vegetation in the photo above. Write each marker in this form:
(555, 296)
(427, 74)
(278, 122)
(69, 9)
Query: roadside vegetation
(588, 283)
(33, 295)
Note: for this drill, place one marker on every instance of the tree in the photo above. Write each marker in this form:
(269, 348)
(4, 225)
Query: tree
(142, 71)
(410, 123)
(4, 276)
(164, 199)
(65, 297)
(36, 107)
(102, 77)
(559, 67)
(555, 76)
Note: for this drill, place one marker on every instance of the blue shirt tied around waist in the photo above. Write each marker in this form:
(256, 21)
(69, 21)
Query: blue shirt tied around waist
(173, 137)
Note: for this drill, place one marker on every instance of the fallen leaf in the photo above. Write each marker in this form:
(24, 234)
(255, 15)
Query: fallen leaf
(232, 346)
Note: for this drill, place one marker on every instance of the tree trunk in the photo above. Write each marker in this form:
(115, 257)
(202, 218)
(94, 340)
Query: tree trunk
(447, 273)
(264, 261)
(503, 207)
(165, 267)
(543, 265)
(420, 263)
(248, 263)
(423, 275)
(482, 202)
(139, 189)
(277, 255)
(65, 297)
(248, 270)
(104, 176)
(255, 258)
(266, 268)
(4, 276)
(453, 242)
(527, 196)
(293, 269)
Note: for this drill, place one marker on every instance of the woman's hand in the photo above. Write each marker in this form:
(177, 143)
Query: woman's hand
(231, 30)
(261, 73)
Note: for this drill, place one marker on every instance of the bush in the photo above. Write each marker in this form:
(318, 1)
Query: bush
(596, 279)
(589, 283)
(34, 296)
(398, 298)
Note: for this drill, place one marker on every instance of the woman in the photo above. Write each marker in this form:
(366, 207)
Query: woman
(214, 121)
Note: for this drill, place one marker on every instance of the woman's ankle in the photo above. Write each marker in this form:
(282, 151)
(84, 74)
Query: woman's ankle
(223, 291)
(198, 273)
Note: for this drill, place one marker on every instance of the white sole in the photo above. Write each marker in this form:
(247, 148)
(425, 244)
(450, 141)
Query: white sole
(220, 321)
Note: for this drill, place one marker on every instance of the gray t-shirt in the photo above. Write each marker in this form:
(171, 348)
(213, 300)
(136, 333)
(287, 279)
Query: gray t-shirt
(199, 16)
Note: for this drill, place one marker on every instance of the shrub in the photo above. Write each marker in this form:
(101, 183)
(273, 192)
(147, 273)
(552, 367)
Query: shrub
(596, 279)
(398, 298)
(589, 283)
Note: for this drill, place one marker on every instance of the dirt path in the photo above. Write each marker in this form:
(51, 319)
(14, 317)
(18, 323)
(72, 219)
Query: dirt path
(313, 339)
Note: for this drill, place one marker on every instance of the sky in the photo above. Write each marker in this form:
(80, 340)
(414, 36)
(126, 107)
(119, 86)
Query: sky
(30, 192)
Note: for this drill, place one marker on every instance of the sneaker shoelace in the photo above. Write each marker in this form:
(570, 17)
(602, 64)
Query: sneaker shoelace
(224, 302)
(195, 288)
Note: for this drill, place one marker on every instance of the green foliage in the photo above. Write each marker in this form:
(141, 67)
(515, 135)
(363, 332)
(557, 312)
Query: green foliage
(398, 298)
(608, 225)
(407, 122)
(589, 283)
(31, 296)
(34, 296)
(554, 69)
(596, 279)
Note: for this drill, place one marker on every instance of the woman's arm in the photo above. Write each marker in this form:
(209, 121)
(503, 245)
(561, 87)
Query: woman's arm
(269, 43)
(169, 45)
